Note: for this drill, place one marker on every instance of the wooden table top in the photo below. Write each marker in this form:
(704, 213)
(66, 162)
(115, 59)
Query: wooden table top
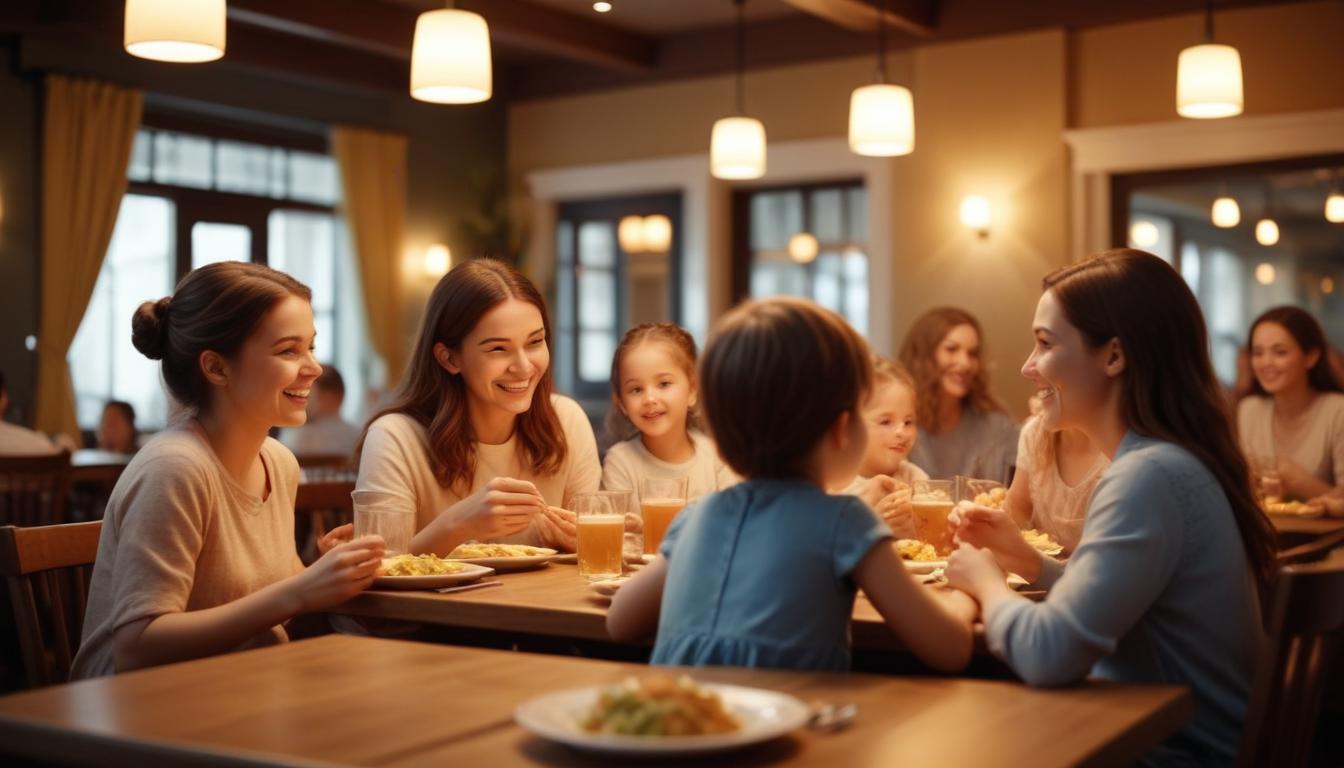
(1308, 526)
(365, 701)
(554, 601)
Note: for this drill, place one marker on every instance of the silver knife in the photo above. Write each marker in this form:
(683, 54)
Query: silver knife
(465, 587)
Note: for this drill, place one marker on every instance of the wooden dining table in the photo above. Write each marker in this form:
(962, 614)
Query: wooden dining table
(341, 700)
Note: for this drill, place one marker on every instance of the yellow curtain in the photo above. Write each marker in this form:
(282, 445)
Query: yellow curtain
(88, 129)
(373, 182)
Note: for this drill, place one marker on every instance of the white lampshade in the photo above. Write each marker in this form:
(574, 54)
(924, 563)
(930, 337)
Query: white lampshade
(737, 148)
(450, 57)
(1144, 233)
(1208, 81)
(184, 31)
(1334, 208)
(1266, 232)
(975, 213)
(1226, 212)
(657, 233)
(882, 120)
(630, 234)
(1265, 273)
(437, 260)
(803, 247)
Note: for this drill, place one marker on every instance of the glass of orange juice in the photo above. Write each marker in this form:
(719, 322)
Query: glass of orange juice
(932, 502)
(601, 531)
(660, 500)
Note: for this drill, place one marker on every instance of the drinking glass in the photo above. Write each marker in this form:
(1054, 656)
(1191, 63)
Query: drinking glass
(932, 502)
(389, 515)
(601, 530)
(660, 500)
(1268, 483)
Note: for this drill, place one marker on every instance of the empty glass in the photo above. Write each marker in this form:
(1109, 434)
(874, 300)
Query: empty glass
(389, 515)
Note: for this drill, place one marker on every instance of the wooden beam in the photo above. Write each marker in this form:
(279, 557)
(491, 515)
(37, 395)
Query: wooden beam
(918, 17)
(546, 30)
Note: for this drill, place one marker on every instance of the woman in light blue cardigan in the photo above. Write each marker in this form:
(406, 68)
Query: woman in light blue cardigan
(1164, 585)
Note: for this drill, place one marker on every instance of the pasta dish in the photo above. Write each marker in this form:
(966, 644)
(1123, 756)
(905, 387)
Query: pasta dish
(916, 550)
(417, 565)
(473, 549)
(659, 706)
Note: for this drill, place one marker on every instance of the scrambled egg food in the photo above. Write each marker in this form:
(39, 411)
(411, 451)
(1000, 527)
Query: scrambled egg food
(993, 498)
(473, 549)
(916, 550)
(659, 706)
(417, 565)
(1275, 507)
(1042, 542)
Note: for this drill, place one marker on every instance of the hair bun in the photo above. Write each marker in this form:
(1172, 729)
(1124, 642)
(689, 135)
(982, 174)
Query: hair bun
(149, 328)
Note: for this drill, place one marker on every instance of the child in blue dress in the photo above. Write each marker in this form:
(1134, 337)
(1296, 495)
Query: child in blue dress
(764, 574)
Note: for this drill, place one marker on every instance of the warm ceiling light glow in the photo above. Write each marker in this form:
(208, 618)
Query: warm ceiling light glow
(882, 120)
(1334, 208)
(1226, 212)
(1327, 285)
(184, 31)
(803, 247)
(975, 213)
(657, 233)
(450, 57)
(1208, 81)
(737, 148)
(630, 234)
(437, 260)
(1266, 232)
(1264, 273)
(1144, 233)
(601, 7)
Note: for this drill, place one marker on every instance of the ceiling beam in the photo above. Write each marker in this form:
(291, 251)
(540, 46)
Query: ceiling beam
(917, 17)
(388, 29)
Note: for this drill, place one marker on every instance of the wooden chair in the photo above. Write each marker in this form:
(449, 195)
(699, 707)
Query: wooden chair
(1305, 623)
(47, 571)
(319, 507)
(34, 490)
(321, 468)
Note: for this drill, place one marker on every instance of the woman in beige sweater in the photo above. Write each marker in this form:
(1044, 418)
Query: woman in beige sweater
(197, 554)
(476, 443)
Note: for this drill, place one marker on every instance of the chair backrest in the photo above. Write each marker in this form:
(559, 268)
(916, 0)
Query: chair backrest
(324, 467)
(319, 507)
(34, 489)
(1305, 619)
(47, 571)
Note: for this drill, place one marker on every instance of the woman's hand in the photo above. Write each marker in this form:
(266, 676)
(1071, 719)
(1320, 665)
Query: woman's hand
(974, 571)
(558, 528)
(502, 507)
(340, 574)
(338, 535)
(995, 530)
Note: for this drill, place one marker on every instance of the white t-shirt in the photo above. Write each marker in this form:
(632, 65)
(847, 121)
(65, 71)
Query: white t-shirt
(326, 436)
(907, 473)
(21, 441)
(395, 460)
(629, 462)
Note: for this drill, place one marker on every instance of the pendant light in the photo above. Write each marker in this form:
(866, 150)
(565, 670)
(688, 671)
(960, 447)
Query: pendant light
(1225, 212)
(882, 115)
(737, 143)
(450, 57)
(1334, 203)
(1208, 77)
(1267, 229)
(182, 31)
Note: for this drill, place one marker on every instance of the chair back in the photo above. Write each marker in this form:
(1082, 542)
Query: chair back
(34, 490)
(323, 467)
(47, 571)
(319, 507)
(1305, 619)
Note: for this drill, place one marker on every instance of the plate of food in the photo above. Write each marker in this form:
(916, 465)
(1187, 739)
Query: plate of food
(502, 557)
(1042, 542)
(1294, 508)
(919, 556)
(425, 572)
(662, 715)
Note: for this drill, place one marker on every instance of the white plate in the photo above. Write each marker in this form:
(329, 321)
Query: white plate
(467, 575)
(763, 714)
(924, 566)
(520, 563)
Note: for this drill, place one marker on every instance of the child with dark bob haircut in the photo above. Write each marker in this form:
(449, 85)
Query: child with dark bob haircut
(763, 574)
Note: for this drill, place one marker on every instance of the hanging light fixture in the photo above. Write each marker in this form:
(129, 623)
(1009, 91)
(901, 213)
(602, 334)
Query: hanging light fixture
(737, 144)
(882, 115)
(1208, 77)
(1265, 273)
(803, 247)
(1334, 203)
(1226, 213)
(450, 57)
(183, 31)
(1267, 229)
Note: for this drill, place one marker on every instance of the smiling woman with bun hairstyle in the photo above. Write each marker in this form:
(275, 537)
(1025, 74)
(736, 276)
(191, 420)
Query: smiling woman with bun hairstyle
(197, 553)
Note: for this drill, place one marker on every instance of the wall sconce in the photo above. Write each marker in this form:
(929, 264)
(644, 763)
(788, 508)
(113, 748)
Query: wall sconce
(976, 214)
(437, 260)
(1144, 233)
(630, 234)
(645, 234)
(803, 247)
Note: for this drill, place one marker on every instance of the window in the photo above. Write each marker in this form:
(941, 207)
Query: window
(768, 261)
(197, 199)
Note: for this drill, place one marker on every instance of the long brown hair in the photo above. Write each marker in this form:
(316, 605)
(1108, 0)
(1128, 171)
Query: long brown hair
(1309, 337)
(438, 399)
(918, 355)
(214, 308)
(1169, 389)
(682, 347)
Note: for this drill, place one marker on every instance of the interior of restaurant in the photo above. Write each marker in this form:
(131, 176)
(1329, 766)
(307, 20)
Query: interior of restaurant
(583, 144)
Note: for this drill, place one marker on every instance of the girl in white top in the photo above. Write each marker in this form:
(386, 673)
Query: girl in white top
(654, 397)
(1294, 415)
(196, 555)
(886, 472)
(1057, 470)
(475, 442)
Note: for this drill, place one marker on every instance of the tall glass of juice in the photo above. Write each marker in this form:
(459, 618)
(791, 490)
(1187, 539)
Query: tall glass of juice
(932, 503)
(601, 530)
(660, 500)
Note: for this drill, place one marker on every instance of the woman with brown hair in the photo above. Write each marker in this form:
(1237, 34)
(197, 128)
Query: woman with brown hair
(964, 429)
(197, 553)
(476, 443)
(1164, 585)
(1294, 413)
